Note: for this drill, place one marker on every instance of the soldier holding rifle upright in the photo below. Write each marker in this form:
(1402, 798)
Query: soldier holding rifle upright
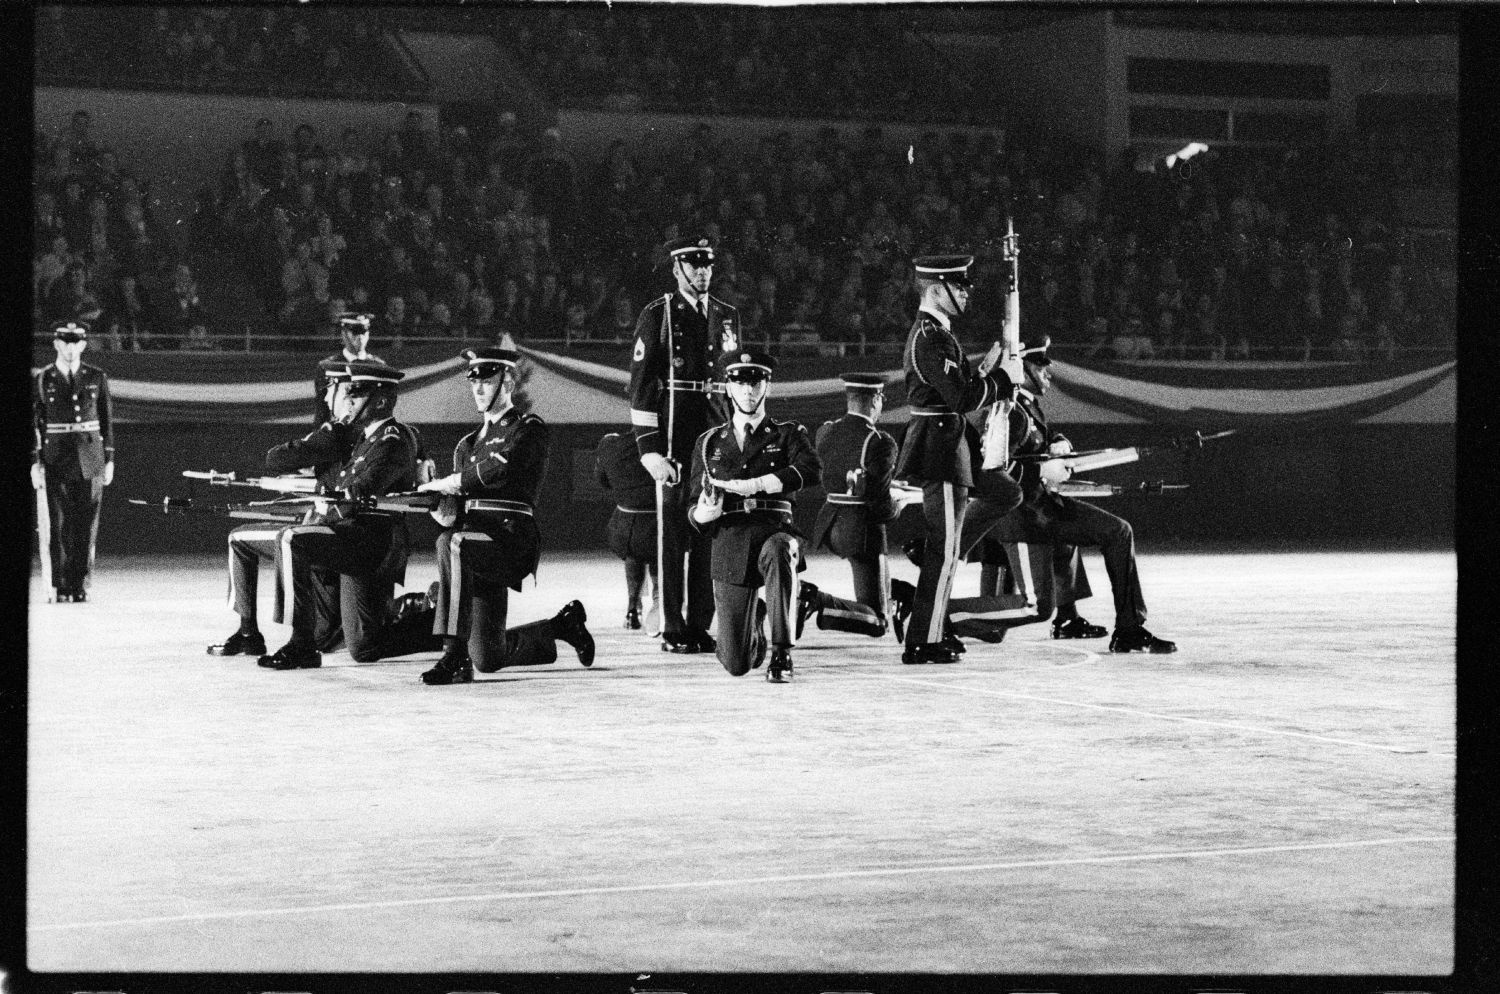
(677, 339)
(941, 451)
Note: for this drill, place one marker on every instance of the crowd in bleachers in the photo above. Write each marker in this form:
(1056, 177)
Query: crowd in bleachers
(334, 50)
(1231, 254)
(830, 62)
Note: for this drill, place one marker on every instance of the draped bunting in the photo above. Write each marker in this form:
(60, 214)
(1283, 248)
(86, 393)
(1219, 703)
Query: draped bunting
(588, 386)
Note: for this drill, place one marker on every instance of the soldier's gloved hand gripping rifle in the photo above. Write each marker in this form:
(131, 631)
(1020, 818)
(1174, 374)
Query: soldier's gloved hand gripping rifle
(994, 445)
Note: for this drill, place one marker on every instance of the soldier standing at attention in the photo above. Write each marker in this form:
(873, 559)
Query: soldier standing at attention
(632, 525)
(490, 541)
(677, 339)
(73, 456)
(941, 448)
(744, 475)
(859, 461)
(354, 331)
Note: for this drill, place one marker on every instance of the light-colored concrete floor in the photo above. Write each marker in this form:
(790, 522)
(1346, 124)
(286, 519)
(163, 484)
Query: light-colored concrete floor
(1275, 798)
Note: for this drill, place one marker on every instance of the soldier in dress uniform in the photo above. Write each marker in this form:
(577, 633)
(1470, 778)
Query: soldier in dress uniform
(325, 450)
(677, 340)
(941, 448)
(490, 542)
(743, 477)
(73, 455)
(631, 531)
(859, 462)
(1069, 522)
(354, 331)
(359, 551)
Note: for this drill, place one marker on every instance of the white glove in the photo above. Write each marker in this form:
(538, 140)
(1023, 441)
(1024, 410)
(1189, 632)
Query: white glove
(1061, 447)
(1013, 368)
(446, 513)
(1055, 471)
(38, 476)
(743, 488)
(710, 506)
(451, 485)
(109, 472)
(660, 467)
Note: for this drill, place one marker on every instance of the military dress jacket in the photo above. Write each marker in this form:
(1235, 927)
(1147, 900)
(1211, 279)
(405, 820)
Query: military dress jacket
(1030, 436)
(505, 461)
(859, 462)
(618, 469)
(941, 446)
(72, 424)
(380, 462)
(674, 344)
(779, 447)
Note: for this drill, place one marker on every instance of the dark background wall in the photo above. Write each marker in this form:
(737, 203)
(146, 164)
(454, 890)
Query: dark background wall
(1367, 486)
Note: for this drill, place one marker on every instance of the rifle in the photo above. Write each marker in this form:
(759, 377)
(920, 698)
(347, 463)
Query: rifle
(1084, 488)
(293, 508)
(280, 484)
(1082, 462)
(994, 445)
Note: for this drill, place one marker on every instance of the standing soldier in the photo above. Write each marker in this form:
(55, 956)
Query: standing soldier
(941, 448)
(677, 338)
(632, 524)
(73, 458)
(859, 461)
(490, 542)
(354, 331)
(744, 474)
(361, 552)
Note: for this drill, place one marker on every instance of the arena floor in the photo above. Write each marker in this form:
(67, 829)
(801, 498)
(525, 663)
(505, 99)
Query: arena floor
(1276, 798)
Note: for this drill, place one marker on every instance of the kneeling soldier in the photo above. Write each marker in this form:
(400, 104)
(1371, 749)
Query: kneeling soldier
(491, 543)
(324, 450)
(744, 473)
(360, 552)
(859, 461)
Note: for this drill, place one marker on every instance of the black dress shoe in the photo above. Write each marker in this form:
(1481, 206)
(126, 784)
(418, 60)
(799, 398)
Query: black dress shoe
(1139, 640)
(807, 604)
(454, 667)
(1077, 628)
(633, 620)
(292, 657)
(704, 642)
(953, 644)
(905, 596)
(240, 644)
(928, 652)
(915, 550)
(758, 641)
(569, 626)
(80, 595)
(994, 635)
(780, 670)
(679, 642)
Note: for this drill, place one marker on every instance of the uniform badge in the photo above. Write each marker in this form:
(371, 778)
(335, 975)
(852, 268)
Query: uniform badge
(640, 350)
(728, 340)
(677, 363)
(949, 365)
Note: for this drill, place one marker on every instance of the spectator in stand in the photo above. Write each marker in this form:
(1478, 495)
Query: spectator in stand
(1200, 334)
(47, 272)
(393, 324)
(180, 315)
(551, 175)
(72, 298)
(513, 309)
(622, 318)
(263, 151)
(1274, 317)
(548, 308)
(125, 320)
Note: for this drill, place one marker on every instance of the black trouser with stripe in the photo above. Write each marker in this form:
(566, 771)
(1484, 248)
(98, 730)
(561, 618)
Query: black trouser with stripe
(248, 546)
(739, 635)
(319, 563)
(685, 571)
(472, 604)
(74, 504)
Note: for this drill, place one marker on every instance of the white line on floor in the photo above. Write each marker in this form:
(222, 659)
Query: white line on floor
(1257, 729)
(680, 885)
